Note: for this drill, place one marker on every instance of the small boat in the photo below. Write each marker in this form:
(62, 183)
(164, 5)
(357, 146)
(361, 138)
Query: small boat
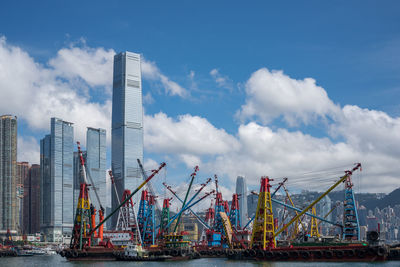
(135, 252)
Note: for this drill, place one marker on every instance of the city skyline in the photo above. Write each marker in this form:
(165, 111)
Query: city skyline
(259, 90)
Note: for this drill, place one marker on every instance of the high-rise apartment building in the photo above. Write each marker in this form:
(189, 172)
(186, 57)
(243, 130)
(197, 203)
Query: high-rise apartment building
(127, 125)
(31, 210)
(96, 161)
(9, 214)
(241, 190)
(56, 162)
(22, 176)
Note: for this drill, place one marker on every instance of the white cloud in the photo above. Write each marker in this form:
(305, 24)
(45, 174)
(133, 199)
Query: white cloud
(36, 93)
(93, 65)
(186, 135)
(271, 94)
(222, 81)
(151, 72)
(28, 150)
(367, 136)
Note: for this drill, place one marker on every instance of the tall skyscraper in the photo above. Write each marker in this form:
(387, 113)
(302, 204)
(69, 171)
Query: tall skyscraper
(31, 209)
(241, 189)
(56, 162)
(127, 125)
(9, 216)
(22, 176)
(96, 163)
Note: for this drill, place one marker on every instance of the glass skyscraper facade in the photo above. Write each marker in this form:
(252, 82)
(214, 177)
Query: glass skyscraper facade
(241, 190)
(127, 125)
(96, 164)
(56, 160)
(9, 212)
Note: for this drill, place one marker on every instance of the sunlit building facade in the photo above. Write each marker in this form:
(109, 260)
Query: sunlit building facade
(56, 160)
(127, 125)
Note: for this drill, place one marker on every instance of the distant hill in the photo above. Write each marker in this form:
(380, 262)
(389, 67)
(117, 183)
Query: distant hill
(371, 200)
(391, 199)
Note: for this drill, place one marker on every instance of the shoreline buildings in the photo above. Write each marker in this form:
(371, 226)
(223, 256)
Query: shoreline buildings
(56, 168)
(9, 204)
(127, 125)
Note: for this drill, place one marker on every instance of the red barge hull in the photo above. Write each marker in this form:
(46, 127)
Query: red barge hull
(318, 254)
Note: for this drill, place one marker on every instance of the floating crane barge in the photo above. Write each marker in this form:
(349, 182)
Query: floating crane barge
(223, 235)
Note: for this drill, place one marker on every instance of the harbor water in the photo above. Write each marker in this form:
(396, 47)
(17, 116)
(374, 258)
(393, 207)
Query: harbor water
(58, 261)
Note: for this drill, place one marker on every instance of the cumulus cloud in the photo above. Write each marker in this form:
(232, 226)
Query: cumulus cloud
(367, 136)
(151, 72)
(36, 92)
(188, 135)
(93, 65)
(272, 94)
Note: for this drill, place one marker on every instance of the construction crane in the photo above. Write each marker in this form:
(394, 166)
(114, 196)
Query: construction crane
(189, 205)
(351, 223)
(263, 227)
(151, 189)
(341, 180)
(82, 229)
(127, 220)
(154, 172)
(298, 221)
(194, 213)
(193, 175)
(314, 224)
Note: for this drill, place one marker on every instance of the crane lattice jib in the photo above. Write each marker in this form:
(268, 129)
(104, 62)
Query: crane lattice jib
(189, 205)
(341, 180)
(81, 232)
(127, 220)
(142, 213)
(351, 230)
(263, 226)
(314, 224)
(130, 196)
(219, 207)
(148, 235)
(165, 216)
(193, 175)
(234, 215)
(298, 221)
(194, 213)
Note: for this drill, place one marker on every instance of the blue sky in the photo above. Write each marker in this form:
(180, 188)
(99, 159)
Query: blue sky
(351, 50)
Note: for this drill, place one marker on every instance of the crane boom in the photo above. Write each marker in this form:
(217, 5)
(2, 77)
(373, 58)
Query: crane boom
(196, 169)
(150, 187)
(130, 196)
(341, 180)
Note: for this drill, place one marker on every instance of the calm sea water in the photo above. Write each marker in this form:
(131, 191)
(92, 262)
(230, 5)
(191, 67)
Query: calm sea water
(58, 261)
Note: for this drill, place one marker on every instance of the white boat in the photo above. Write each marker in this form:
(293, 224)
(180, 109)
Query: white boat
(134, 250)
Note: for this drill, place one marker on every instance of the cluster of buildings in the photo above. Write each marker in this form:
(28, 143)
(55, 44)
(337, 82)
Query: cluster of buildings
(43, 197)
